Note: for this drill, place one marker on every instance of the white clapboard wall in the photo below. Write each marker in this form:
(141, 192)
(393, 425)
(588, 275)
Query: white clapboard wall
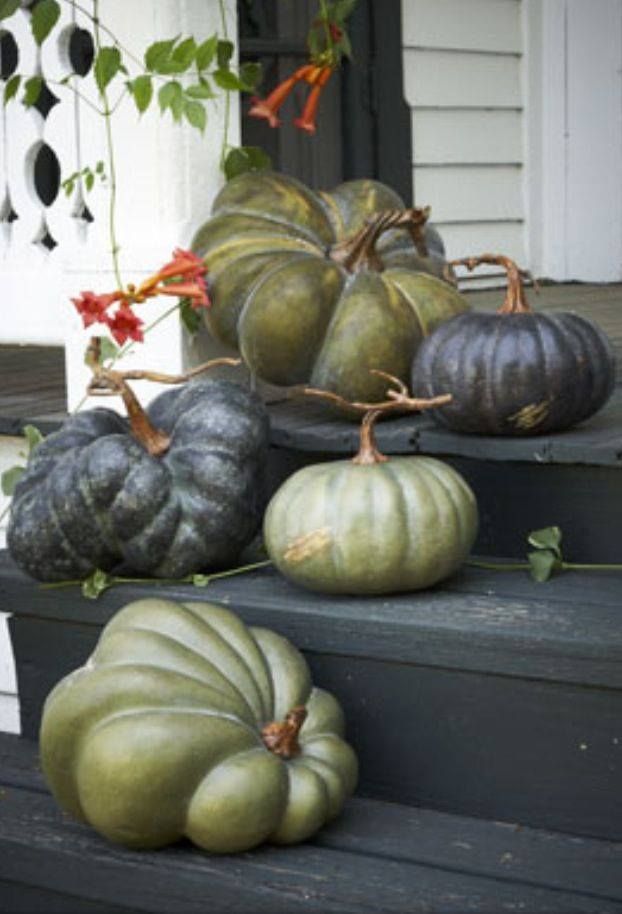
(463, 82)
(167, 179)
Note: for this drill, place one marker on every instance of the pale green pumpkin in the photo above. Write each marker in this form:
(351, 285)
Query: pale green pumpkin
(186, 722)
(371, 525)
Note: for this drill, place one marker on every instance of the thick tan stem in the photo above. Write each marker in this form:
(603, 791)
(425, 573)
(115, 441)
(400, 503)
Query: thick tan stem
(515, 299)
(107, 381)
(281, 737)
(154, 441)
(359, 251)
(368, 453)
(398, 400)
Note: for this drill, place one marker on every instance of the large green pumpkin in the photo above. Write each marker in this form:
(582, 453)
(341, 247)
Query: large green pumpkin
(320, 288)
(102, 492)
(185, 722)
(371, 525)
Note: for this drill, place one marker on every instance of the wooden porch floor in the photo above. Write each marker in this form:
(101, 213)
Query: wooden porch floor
(32, 378)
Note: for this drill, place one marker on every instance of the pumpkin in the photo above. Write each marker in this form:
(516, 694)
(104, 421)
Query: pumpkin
(176, 490)
(185, 722)
(371, 525)
(322, 288)
(515, 372)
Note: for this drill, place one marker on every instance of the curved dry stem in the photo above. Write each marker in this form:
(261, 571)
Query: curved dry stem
(515, 299)
(281, 737)
(398, 400)
(359, 251)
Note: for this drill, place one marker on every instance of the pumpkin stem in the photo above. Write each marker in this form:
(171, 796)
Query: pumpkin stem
(359, 251)
(515, 299)
(368, 454)
(398, 400)
(107, 381)
(281, 737)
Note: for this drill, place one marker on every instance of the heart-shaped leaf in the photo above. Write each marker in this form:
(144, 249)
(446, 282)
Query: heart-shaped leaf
(542, 564)
(547, 538)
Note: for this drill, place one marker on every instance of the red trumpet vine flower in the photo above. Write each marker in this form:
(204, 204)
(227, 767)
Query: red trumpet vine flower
(183, 276)
(315, 75)
(306, 121)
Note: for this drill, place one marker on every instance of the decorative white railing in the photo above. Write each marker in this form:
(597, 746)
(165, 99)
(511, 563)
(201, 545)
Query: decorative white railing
(52, 245)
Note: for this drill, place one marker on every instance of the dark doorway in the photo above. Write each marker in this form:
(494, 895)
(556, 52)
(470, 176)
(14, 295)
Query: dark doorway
(364, 127)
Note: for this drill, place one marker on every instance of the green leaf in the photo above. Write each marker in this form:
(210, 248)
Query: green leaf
(206, 52)
(10, 478)
(189, 316)
(245, 158)
(250, 75)
(547, 538)
(224, 53)
(10, 90)
(68, 185)
(542, 564)
(89, 180)
(171, 96)
(100, 168)
(107, 350)
(184, 54)
(345, 47)
(32, 90)
(43, 19)
(195, 114)
(158, 54)
(33, 436)
(142, 91)
(200, 580)
(107, 65)
(8, 7)
(228, 81)
(342, 9)
(96, 584)
(202, 89)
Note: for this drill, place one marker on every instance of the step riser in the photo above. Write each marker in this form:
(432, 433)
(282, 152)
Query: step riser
(538, 753)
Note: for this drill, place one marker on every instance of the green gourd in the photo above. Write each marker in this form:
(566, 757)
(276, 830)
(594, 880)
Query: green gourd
(186, 722)
(371, 525)
(321, 288)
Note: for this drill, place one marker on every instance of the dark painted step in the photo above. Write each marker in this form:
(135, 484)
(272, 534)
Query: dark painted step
(489, 696)
(572, 479)
(376, 857)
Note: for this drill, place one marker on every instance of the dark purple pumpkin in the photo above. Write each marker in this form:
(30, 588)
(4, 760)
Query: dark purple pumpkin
(515, 372)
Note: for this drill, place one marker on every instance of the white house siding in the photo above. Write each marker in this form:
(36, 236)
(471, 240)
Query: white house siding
(574, 128)
(167, 179)
(463, 81)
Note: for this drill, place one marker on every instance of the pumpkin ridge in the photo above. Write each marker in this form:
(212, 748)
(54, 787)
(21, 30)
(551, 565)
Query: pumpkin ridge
(164, 637)
(596, 349)
(302, 818)
(450, 493)
(64, 526)
(222, 642)
(391, 470)
(579, 348)
(156, 710)
(219, 613)
(284, 659)
(292, 228)
(407, 298)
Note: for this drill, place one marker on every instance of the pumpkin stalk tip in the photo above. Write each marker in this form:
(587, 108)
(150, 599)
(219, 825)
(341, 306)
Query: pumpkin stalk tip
(281, 737)
(359, 251)
(515, 299)
(368, 453)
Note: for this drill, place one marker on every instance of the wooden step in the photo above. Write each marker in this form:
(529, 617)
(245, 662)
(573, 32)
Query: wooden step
(376, 857)
(571, 480)
(489, 696)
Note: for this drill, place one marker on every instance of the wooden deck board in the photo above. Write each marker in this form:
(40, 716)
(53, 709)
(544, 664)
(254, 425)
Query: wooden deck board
(376, 854)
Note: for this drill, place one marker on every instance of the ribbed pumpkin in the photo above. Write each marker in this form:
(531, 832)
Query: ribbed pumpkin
(321, 288)
(371, 525)
(515, 372)
(185, 722)
(176, 490)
